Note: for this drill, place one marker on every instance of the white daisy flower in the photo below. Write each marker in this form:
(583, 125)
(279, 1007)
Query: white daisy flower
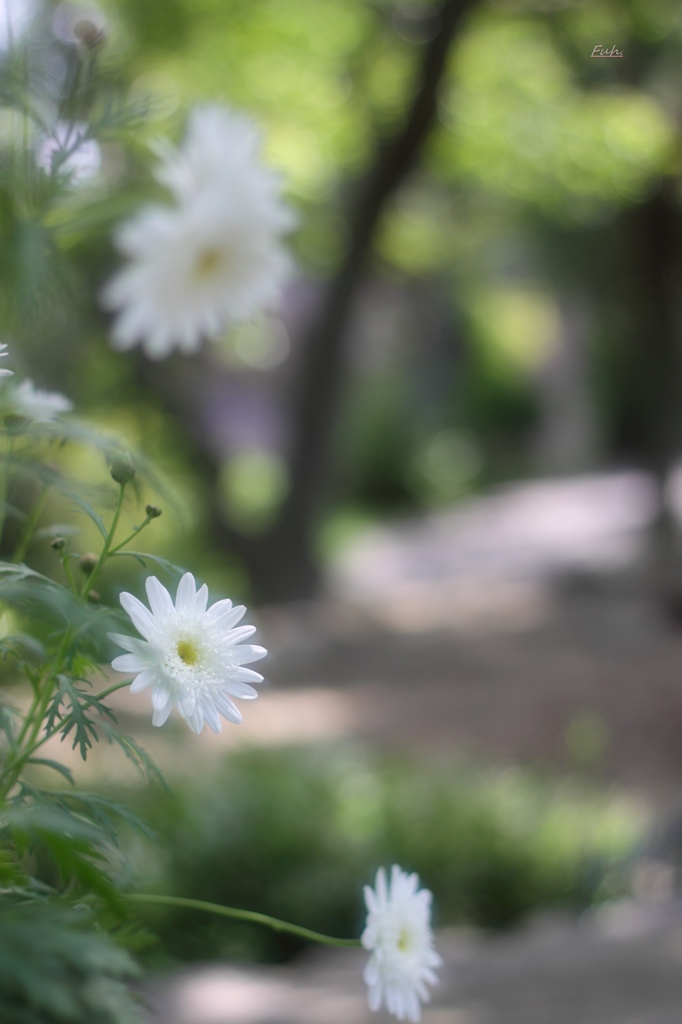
(3, 353)
(35, 404)
(398, 932)
(191, 656)
(214, 258)
(220, 147)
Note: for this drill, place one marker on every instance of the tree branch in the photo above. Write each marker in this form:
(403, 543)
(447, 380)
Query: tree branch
(320, 387)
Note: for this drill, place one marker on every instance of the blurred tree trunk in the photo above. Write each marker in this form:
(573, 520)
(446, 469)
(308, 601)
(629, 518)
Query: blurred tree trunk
(283, 563)
(653, 301)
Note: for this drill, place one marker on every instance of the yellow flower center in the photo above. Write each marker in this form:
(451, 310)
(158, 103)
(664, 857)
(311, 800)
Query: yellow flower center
(404, 940)
(187, 652)
(207, 263)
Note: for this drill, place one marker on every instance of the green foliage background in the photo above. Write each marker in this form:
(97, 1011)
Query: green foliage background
(297, 832)
(539, 154)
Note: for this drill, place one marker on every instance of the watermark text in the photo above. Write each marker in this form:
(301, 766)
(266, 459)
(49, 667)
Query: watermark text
(601, 51)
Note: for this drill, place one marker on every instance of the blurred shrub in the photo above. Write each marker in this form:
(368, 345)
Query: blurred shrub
(297, 832)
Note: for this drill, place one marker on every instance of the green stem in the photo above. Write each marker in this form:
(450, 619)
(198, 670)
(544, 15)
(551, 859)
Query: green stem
(90, 581)
(31, 525)
(113, 688)
(241, 915)
(27, 740)
(4, 483)
(13, 768)
(35, 718)
(131, 536)
(69, 573)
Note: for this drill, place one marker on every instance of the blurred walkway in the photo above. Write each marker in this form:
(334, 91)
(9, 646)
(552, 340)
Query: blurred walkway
(515, 628)
(624, 966)
(525, 531)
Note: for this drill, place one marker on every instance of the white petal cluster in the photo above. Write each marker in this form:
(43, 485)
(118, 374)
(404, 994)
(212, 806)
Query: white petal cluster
(216, 256)
(3, 353)
(398, 932)
(191, 657)
(35, 404)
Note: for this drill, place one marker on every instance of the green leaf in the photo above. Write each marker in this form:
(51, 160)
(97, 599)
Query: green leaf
(106, 814)
(12, 512)
(55, 530)
(136, 754)
(76, 847)
(37, 596)
(56, 968)
(9, 716)
(90, 512)
(174, 571)
(16, 644)
(55, 765)
(74, 720)
(83, 432)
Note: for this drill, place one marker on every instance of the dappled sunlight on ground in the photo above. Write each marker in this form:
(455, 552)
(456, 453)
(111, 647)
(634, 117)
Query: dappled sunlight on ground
(524, 531)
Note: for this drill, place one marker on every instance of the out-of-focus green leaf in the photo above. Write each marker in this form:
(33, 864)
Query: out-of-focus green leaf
(174, 571)
(136, 754)
(56, 968)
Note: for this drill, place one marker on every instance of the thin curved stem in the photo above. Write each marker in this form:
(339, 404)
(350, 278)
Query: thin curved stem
(113, 688)
(69, 573)
(131, 536)
(240, 915)
(90, 581)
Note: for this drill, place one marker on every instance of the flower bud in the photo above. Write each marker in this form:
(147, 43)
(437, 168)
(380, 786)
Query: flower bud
(153, 511)
(58, 544)
(89, 34)
(121, 467)
(87, 562)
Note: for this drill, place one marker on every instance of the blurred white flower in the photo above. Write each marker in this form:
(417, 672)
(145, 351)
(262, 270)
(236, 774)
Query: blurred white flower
(190, 656)
(3, 353)
(221, 149)
(38, 405)
(15, 18)
(214, 258)
(398, 932)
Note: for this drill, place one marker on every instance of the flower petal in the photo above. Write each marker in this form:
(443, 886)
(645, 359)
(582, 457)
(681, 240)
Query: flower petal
(129, 643)
(237, 689)
(247, 653)
(246, 675)
(161, 697)
(141, 616)
(211, 716)
(186, 595)
(160, 600)
(129, 663)
(227, 709)
(196, 721)
(201, 600)
(142, 681)
(161, 715)
(223, 615)
(240, 633)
